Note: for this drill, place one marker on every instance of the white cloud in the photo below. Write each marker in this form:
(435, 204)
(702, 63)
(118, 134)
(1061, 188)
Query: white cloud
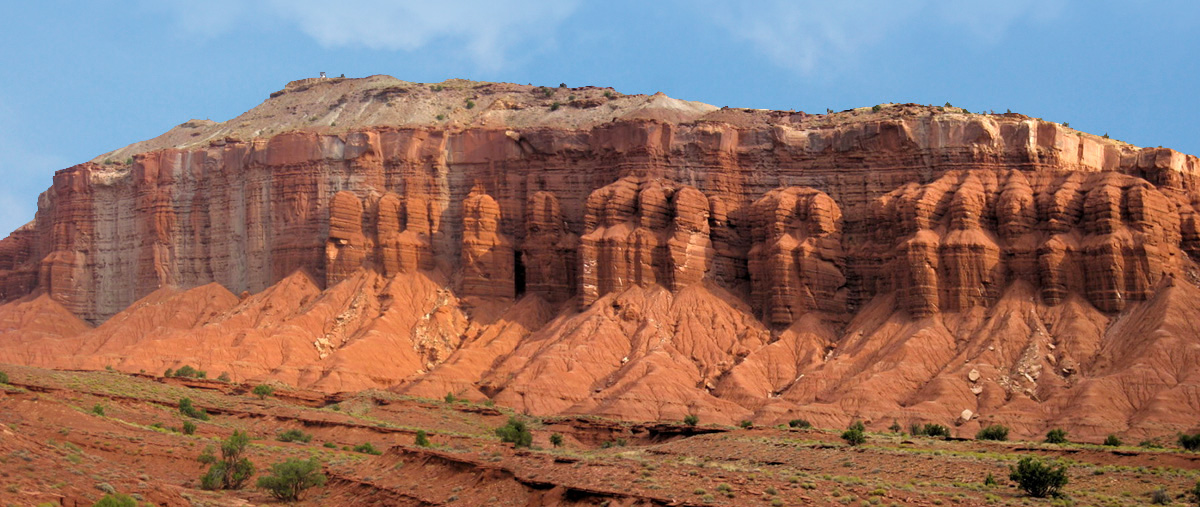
(487, 31)
(820, 35)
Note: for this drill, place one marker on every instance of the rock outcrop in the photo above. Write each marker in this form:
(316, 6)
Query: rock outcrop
(634, 257)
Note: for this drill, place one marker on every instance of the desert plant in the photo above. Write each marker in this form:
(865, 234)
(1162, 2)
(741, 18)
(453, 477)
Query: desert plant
(799, 423)
(262, 391)
(515, 432)
(470, 104)
(189, 428)
(556, 440)
(186, 371)
(3, 378)
(449, 398)
(288, 480)
(876, 108)
(169, 373)
(441, 117)
(691, 419)
(990, 480)
(555, 105)
(745, 424)
(233, 469)
(422, 439)
(186, 408)
(895, 427)
(367, 448)
(1037, 478)
(294, 435)
(330, 445)
(1189, 442)
(1194, 493)
(930, 430)
(855, 435)
(98, 409)
(116, 500)
(1112, 441)
(223, 377)
(1056, 436)
(993, 432)
(1160, 497)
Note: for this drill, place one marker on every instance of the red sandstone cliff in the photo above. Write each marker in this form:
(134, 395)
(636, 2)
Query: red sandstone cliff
(576, 250)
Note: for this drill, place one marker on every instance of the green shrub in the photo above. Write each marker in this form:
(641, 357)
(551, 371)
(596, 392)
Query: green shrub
(515, 432)
(554, 106)
(3, 377)
(294, 435)
(441, 117)
(930, 430)
(450, 398)
(116, 500)
(745, 424)
(330, 445)
(422, 439)
(189, 428)
(1112, 441)
(895, 427)
(876, 108)
(224, 377)
(556, 440)
(288, 480)
(470, 104)
(1056, 436)
(993, 432)
(367, 448)
(691, 419)
(856, 434)
(98, 409)
(1190, 442)
(186, 371)
(186, 408)
(799, 423)
(990, 480)
(1194, 493)
(1037, 478)
(169, 373)
(1160, 497)
(233, 469)
(262, 391)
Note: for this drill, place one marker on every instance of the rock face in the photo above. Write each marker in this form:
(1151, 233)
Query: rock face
(651, 260)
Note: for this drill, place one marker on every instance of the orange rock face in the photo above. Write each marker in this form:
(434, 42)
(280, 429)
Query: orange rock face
(907, 265)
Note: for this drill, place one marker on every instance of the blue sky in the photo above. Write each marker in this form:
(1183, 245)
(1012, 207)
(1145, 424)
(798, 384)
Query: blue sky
(81, 78)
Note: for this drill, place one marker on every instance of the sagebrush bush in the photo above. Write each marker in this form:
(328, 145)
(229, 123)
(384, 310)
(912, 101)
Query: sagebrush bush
(1037, 478)
(1112, 441)
(233, 469)
(856, 435)
(367, 448)
(799, 423)
(515, 432)
(186, 408)
(288, 480)
(263, 390)
(1056, 436)
(993, 432)
(294, 435)
(422, 439)
(691, 419)
(1189, 442)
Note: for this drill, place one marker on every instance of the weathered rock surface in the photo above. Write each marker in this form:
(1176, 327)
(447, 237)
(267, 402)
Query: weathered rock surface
(646, 259)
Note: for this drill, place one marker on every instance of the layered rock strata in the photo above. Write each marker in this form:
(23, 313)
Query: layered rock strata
(673, 259)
